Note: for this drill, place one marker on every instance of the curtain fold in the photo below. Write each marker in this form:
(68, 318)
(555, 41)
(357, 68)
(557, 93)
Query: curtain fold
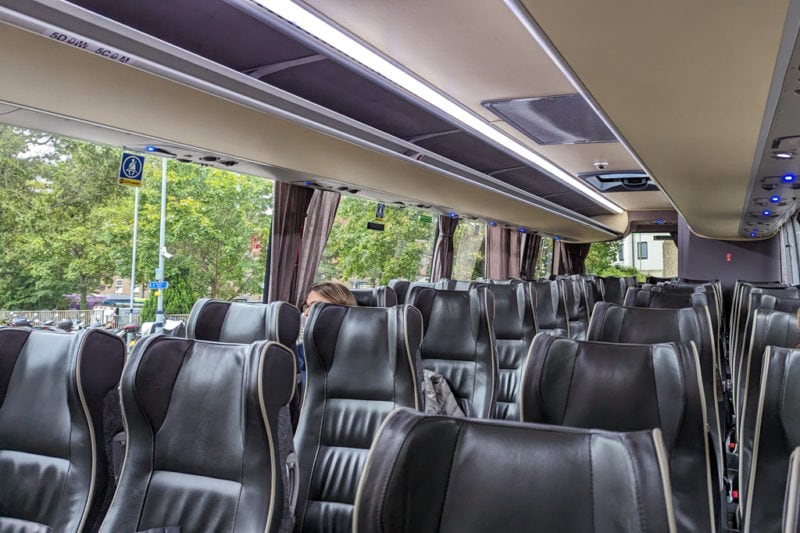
(502, 253)
(442, 264)
(570, 258)
(288, 217)
(319, 221)
(530, 252)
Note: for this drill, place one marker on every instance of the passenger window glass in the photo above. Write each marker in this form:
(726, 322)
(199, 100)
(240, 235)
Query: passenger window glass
(639, 254)
(544, 261)
(362, 257)
(469, 250)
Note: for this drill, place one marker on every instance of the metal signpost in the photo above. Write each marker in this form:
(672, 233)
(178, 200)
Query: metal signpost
(131, 167)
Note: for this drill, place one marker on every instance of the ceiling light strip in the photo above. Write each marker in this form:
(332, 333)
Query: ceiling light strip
(332, 36)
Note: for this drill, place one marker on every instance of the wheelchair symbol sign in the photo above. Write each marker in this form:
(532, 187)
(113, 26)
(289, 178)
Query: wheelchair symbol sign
(130, 170)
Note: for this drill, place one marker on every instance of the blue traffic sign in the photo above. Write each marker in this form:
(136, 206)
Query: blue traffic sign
(158, 284)
(130, 169)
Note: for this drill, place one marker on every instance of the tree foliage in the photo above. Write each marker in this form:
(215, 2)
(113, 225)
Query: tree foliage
(601, 258)
(356, 254)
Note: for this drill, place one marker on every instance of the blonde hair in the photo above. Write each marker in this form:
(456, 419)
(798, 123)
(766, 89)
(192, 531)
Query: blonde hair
(335, 293)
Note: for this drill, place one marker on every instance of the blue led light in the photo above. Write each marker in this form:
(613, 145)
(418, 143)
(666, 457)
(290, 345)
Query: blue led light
(766, 212)
(151, 148)
(556, 238)
(309, 183)
(659, 221)
(788, 178)
(753, 234)
(453, 215)
(522, 230)
(492, 223)
(775, 199)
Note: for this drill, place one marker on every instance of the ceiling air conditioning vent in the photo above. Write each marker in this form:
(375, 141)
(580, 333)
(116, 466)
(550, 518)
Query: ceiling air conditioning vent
(620, 181)
(564, 119)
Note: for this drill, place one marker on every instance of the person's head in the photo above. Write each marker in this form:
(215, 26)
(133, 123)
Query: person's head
(329, 292)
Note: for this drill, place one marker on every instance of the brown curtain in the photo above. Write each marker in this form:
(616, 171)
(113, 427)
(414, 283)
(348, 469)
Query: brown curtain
(442, 265)
(502, 253)
(530, 252)
(288, 217)
(570, 258)
(321, 212)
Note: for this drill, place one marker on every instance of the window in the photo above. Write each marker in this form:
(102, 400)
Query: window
(118, 286)
(361, 257)
(641, 250)
(621, 254)
(544, 261)
(469, 242)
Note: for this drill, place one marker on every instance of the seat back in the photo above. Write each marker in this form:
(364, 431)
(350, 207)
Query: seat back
(362, 362)
(550, 312)
(201, 421)
(400, 288)
(54, 463)
(434, 473)
(613, 323)
(377, 297)
(777, 434)
(235, 322)
(459, 344)
(576, 304)
(629, 387)
(514, 330)
(613, 289)
(791, 503)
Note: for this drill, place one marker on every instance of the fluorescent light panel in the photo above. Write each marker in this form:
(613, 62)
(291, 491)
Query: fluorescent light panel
(332, 36)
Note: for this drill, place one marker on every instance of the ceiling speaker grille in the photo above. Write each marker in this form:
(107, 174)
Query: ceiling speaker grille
(565, 119)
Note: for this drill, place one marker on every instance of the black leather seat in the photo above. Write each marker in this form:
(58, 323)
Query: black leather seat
(400, 288)
(377, 297)
(435, 473)
(613, 289)
(202, 422)
(613, 323)
(218, 320)
(54, 460)
(777, 434)
(629, 387)
(550, 309)
(245, 323)
(575, 299)
(741, 310)
(362, 362)
(459, 344)
(791, 502)
(514, 329)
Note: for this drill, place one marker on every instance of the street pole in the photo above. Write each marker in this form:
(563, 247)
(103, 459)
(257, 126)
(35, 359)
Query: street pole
(159, 325)
(133, 255)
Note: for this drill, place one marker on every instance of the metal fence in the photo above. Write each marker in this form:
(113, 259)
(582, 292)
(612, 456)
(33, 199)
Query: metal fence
(88, 317)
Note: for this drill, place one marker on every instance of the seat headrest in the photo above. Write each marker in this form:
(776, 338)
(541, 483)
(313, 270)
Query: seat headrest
(221, 321)
(484, 473)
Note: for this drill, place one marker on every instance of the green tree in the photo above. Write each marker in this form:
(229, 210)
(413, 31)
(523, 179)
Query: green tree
(179, 297)
(355, 253)
(600, 261)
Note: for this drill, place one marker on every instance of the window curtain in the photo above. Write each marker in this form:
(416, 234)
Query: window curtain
(530, 252)
(570, 258)
(288, 217)
(502, 253)
(442, 265)
(321, 212)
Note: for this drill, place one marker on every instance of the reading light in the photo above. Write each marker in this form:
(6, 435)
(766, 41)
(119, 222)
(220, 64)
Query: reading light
(753, 234)
(332, 36)
(782, 155)
(766, 212)
(151, 148)
(775, 199)
(788, 178)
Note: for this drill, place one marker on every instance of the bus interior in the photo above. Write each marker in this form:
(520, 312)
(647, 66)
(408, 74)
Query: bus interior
(549, 125)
